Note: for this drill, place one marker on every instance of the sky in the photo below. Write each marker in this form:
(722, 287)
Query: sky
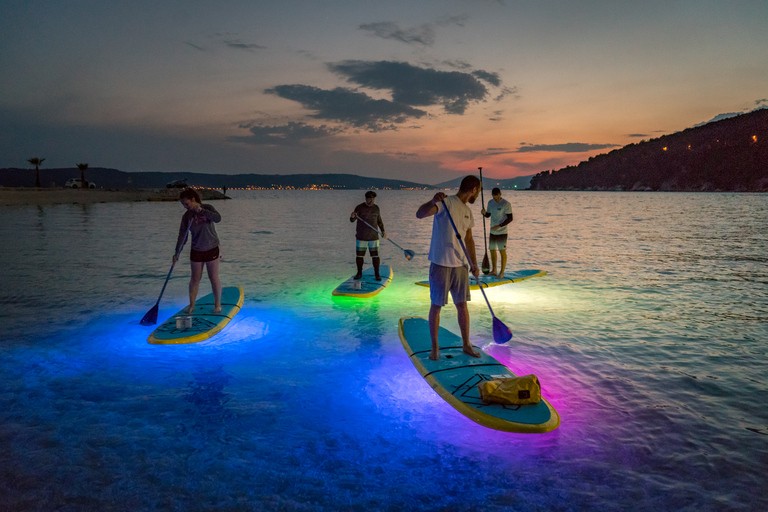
(424, 91)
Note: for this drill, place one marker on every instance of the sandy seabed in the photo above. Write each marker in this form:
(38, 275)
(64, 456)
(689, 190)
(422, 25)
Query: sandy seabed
(44, 196)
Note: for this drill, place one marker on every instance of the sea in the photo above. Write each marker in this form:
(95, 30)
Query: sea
(649, 335)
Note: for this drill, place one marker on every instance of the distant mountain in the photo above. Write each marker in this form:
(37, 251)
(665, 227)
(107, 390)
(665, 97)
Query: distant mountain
(113, 178)
(519, 183)
(726, 155)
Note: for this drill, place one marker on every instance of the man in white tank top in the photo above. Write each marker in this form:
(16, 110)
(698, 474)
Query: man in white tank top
(448, 268)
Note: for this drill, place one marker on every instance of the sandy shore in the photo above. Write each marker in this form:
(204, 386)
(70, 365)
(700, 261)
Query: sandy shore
(44, 196)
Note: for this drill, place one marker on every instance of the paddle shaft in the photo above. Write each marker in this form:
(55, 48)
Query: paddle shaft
(482, 199)
(379, 232)
(486, 265)
(466, 253)
(186, 233)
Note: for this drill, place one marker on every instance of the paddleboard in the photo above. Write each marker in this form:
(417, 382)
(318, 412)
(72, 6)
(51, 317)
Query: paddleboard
(490, 281)
(204, 322)
(369, 286)
(455, 377)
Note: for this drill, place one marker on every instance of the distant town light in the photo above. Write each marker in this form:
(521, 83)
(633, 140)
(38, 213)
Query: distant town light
(754, 138)
(665, 148)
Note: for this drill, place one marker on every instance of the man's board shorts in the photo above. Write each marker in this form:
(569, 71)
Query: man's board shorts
(362, 245)
(448, 279)
(497, 242)
(204, 256)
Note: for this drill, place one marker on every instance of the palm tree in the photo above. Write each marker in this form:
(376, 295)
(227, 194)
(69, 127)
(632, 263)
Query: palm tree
(37, 162)
(82, 168)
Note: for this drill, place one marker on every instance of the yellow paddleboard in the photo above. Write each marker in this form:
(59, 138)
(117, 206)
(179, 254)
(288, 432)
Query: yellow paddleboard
(203, 323)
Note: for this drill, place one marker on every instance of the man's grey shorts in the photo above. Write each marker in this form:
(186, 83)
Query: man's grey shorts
(448, 279)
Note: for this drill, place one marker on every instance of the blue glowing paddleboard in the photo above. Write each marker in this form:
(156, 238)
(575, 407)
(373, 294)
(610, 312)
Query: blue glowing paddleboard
(489, 281)
(456, 375)
(369, 286)
(205, 323)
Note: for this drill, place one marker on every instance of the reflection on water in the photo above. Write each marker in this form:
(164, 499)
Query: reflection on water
(648, 335)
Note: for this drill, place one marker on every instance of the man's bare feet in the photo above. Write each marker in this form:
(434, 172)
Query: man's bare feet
(217, 309)
(470, 351)
(500, 276)
(434, 355)
(190, 309)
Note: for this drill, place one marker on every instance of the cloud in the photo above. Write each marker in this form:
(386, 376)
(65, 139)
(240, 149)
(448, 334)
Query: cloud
(356, 109)
(719, 117)
(532, 167)
(291, 134)
(199, 48)
(423, 35)
(244, 46)
(412, 85)
(457, 64)
(459, 20)
(637, 135)
(570, 147)
(491, 78)
(497, 116)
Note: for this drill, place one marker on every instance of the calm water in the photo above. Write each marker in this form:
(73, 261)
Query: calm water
(648, 334)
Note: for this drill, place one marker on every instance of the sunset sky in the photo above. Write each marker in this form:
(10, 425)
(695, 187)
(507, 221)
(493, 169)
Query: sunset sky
(420, 90)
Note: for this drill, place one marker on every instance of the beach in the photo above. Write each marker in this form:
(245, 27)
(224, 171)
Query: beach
(45, 196)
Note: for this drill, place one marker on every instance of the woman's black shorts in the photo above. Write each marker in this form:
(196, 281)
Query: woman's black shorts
(204, 256)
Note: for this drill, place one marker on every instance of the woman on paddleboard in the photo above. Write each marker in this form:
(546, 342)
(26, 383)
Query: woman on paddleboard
(199, 219)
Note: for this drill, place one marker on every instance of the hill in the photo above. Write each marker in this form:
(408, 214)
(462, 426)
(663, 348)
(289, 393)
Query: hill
(113, 178)
(519, 183)
(726, 155)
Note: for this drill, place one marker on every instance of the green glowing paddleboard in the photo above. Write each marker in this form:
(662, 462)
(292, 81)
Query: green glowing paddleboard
(455, 377)
(490, 281)
(204, 322)
(369, 286)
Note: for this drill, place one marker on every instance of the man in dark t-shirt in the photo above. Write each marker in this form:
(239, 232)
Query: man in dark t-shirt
(366, 236)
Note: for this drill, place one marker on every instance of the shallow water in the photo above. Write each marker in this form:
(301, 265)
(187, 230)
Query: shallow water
(648, 335)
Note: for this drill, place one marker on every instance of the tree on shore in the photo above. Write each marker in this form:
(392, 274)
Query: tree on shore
(82, 168)
(37, 162)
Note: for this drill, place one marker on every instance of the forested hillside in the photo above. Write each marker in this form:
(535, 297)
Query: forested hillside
(727, 155)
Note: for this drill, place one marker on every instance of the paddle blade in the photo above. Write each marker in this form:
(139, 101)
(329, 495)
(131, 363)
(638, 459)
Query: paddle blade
(409, 254)
(501, 333)
(486, 266)
(151, 317)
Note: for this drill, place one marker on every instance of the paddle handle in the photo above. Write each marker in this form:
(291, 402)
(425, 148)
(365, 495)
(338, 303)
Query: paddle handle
(466, 253)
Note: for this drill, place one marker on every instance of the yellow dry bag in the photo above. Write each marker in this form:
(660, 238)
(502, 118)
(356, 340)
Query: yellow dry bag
(511, 390)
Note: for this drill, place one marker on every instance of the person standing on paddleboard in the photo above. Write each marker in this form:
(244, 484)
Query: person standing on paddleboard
(448, 266)
(500, 212)
(365, 236)
(200, 219)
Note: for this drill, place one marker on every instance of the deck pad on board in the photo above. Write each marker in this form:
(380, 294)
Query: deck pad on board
(456, 375)
(369, 286)
(489, 281)
(205, 323)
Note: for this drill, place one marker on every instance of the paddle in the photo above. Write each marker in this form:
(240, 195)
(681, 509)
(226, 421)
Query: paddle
(501, 333)
(486, 264)
(151, 317)
(408, 253)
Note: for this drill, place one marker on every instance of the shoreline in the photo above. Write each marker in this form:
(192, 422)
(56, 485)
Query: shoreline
(47, 196)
